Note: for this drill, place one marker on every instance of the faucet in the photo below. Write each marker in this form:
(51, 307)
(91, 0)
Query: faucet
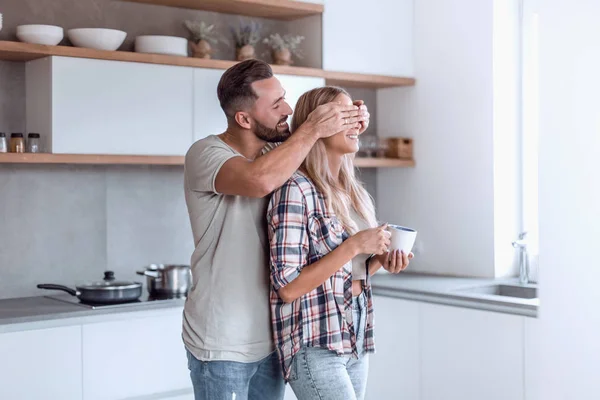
(521, 244)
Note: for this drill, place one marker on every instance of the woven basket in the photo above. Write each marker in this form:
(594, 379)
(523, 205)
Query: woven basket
(399, 148)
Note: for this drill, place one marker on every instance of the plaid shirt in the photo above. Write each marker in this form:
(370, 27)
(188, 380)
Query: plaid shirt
(302, 231)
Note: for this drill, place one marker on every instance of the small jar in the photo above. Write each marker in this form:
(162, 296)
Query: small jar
(33, 143)
(3, 144)
(17, 143)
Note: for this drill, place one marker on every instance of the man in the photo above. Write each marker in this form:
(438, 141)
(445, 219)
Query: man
(226, 324)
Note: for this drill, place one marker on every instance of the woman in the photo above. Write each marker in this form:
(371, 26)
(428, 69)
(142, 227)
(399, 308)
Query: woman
(322, 229)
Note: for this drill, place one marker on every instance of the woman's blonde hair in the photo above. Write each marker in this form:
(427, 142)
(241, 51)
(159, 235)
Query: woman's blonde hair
(346, 192)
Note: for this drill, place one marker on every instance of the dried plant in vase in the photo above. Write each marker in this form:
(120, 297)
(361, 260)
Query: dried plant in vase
(283, 47)
(246, 36)
(202, 37)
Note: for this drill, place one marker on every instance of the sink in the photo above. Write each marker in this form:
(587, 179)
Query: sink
(521, 292)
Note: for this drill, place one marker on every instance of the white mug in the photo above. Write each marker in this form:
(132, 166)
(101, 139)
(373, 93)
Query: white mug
(402, 238)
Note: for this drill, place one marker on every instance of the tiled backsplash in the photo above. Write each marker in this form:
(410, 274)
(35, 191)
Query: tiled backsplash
(67, 224)
(12, 97)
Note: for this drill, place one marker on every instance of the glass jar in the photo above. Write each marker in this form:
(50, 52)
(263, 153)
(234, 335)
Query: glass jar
(17, 143)
(371, 146)
(33, 143)
(3, 144)
(361, 147)
(382, 147)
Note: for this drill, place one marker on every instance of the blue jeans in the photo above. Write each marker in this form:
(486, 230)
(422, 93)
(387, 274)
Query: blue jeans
(319, 373)
(230, 380)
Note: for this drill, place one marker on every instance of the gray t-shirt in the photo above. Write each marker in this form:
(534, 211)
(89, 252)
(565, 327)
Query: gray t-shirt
(226, 314)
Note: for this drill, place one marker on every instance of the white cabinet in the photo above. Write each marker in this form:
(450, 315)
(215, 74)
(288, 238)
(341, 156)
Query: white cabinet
(394, 368)
(209, 118)
(84, 106)
(372, 38)
(136, 357)
(296, 86)
(41, 364)
(189, 396)
(470, 355)
(533, 354)
(289, 393)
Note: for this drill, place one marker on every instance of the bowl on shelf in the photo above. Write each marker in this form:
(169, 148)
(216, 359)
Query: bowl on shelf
(49, 35)
(97, 38)
(170, 45)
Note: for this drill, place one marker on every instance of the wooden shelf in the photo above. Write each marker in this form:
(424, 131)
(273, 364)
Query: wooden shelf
(275, 9)
(104, 159)
(366, 81)
(382, 163)
(90, 159)
(17, 51)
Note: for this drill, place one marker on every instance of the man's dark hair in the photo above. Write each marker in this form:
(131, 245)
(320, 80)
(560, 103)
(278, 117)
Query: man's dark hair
(235, 91)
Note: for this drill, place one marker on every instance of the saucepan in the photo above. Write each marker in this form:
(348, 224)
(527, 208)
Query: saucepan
(107, 291)
(167, 279)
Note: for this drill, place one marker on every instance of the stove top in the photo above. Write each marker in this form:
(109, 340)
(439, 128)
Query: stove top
(145, 298)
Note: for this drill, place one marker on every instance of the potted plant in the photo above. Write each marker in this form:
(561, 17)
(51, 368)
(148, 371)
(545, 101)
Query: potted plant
(246, 36)
(283, 47)
(202, 36)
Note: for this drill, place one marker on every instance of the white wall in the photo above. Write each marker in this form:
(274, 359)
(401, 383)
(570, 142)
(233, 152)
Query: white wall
(463, 195)
(373, 37)
(506, 134)
(449, 196)
(568, 349)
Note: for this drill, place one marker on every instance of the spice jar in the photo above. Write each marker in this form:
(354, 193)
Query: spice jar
(33, 143)
(3, 145)
(17, 143)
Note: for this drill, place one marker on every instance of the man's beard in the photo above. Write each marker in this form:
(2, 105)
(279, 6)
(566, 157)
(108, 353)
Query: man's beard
(269, 134)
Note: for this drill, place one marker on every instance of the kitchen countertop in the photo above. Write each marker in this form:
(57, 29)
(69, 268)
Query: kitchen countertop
(40, 312)
(446, 290)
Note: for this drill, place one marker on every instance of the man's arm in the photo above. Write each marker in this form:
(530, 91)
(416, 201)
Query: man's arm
(258, 178)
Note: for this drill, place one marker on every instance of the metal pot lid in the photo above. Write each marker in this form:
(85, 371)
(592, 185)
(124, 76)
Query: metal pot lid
(109, 283)
(166, 267)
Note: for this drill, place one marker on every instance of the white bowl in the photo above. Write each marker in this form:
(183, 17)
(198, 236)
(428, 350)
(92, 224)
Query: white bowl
(97, 38)
(171, 45)
(40, 34)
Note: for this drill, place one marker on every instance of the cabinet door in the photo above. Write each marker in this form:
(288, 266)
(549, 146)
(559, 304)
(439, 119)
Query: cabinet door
(109, 107)
(296, 86)
(394, 368)
(41, 364)
(136, 357)
(289, 393)
(209, 118)
(189, 396)
(532, 353)
(373, 39)
(470, 354)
